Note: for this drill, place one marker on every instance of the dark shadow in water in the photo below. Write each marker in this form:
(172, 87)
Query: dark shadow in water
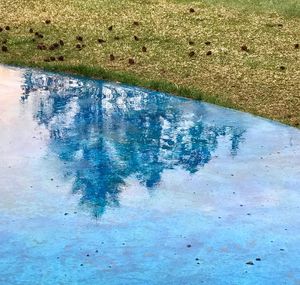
(105, 133)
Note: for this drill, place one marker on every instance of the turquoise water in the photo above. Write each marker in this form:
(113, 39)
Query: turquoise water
(103, 183)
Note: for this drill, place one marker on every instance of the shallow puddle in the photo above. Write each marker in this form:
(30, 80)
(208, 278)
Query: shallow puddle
(103, 183)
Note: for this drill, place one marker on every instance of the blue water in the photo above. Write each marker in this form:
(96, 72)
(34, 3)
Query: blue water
(103, 183)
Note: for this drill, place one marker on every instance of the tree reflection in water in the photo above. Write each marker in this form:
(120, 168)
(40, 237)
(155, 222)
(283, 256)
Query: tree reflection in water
(106, 133)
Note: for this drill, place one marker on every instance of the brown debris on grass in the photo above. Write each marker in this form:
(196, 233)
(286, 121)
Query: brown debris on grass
(131, 61)
(54, 46)
(249, 79)
(192, 54)
(244, 48)
(41, 46)
(39, 35)
(4, 48)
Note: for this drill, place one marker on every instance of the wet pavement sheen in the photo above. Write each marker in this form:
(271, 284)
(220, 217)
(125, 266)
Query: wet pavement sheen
(103, 183)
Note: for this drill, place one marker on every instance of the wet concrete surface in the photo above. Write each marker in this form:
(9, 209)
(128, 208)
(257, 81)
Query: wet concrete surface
(103, 183)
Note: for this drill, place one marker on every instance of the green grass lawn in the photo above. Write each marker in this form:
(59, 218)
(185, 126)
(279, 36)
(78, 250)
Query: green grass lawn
(241, 54)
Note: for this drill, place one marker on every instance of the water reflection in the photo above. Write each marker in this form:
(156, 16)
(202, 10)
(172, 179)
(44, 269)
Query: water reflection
(105, 133)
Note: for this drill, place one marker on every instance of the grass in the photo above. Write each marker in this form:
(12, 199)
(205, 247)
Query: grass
(263, 80)
(289, 8)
